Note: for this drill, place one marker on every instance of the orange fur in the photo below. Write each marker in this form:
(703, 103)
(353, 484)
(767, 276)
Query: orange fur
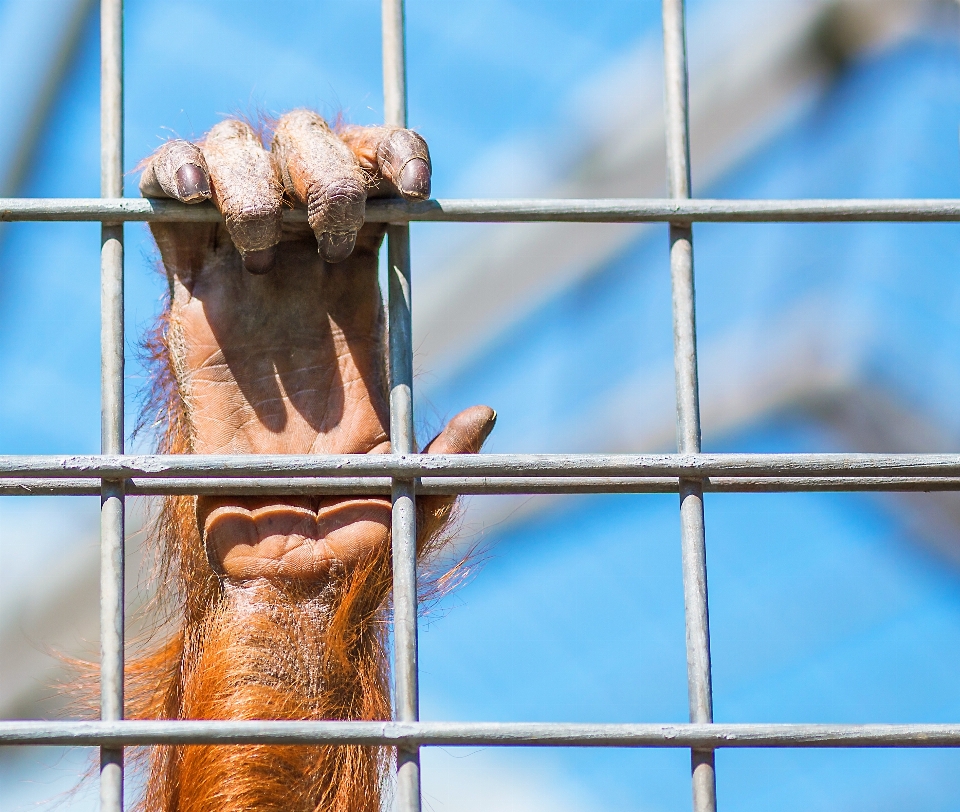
(259, 650)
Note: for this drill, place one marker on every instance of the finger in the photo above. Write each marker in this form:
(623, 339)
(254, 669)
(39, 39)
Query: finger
(464, 434)
(320, 172)
(405, 162)
(177, 170)
(247, 189)
(400, 157)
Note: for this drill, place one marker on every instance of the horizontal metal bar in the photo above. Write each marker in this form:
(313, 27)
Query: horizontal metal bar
(602, 210)
(537, 734)
(481, 465)
(475, 486)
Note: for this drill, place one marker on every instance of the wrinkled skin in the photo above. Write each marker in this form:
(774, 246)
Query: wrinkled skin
(276, 333)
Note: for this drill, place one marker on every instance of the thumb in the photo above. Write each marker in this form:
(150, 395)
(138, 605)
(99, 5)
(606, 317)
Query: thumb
(465, 433)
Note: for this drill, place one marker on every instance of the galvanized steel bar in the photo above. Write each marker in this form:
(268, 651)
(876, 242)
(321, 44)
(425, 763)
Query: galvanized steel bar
(824, 472)
(394, 63)
(410, 466)
(692, 534)
(404, 530)
(480, 734)
(601, 210)
(690, 473)
(478, 486)
(111, 388)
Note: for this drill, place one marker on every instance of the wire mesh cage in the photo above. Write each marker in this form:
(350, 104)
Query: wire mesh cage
(404, 474)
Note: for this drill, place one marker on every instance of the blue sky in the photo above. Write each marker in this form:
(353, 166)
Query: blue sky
(884, 297)
(477, 80)
(822, 609)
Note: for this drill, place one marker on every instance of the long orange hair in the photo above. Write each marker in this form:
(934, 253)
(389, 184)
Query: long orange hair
(259, 650)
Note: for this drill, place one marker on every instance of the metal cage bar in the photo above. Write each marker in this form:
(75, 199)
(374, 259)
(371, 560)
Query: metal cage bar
(692, 531)
(480, 734)
(457, 486)
(112, 525)
(407, 466)
(402, 441)
(404, 473)
(516, 210)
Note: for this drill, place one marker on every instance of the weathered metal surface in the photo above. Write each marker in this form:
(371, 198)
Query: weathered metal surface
(692, 526)
(112, 525)
(603, 210)
(452, 486)
(476, 734)
(404, 532)
(404, 474)
(407, 466)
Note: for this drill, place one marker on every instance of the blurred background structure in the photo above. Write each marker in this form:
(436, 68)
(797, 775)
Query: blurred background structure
(813, 337)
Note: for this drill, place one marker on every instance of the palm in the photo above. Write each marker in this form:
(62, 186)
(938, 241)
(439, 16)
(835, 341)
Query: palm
(277, 348)
(287, 362)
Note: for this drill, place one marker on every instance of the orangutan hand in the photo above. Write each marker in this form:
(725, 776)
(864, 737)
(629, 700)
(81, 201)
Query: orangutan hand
(278, 347)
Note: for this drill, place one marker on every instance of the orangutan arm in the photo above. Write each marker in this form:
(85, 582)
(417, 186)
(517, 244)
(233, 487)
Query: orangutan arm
(273, 343)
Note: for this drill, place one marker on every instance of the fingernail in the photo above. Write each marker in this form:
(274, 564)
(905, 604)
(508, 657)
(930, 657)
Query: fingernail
(192, 183)
(336, 247)
(414, 179)
(488, 428)
(259, 262)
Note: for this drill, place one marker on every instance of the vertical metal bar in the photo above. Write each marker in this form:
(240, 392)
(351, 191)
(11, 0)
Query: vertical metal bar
(692, 537)
(394, 64)
(401, 428)
(111, 389)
